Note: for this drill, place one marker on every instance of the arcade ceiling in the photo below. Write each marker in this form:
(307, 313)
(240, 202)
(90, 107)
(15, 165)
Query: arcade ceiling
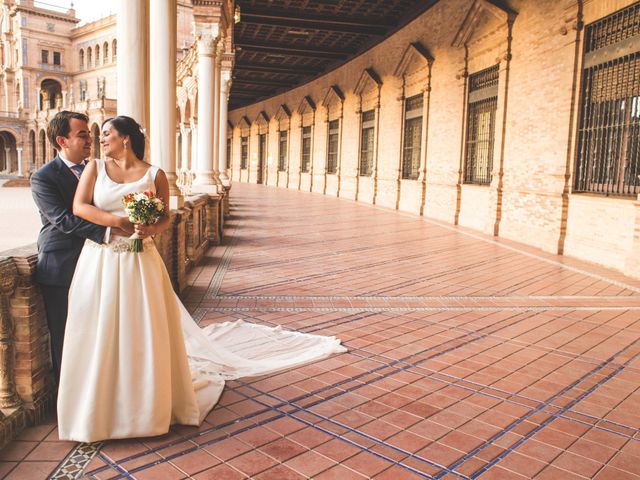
(281, 44)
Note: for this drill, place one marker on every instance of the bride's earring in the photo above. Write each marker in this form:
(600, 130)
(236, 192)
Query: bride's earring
(126, 146)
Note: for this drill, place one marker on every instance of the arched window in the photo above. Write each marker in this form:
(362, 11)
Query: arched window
(97, 55)
(105, 53)
(81, 59)
(89, 57)
(114, 46)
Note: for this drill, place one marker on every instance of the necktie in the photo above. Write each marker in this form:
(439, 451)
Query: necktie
(77, 169)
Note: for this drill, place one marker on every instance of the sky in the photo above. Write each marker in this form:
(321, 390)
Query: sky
(86, 10)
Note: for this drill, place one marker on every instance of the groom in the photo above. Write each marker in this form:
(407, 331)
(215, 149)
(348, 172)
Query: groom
(63, 234)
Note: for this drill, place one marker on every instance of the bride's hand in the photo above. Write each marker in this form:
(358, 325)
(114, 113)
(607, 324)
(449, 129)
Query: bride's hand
(145, 231)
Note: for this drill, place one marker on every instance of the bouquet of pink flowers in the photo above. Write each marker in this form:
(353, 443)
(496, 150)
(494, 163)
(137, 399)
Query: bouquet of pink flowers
(143, 208)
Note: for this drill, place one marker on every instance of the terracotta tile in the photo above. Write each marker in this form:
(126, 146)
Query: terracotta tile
(594, 451)
(398, 473)
(50, 451)
(17, 450)
(440, 454)
(429, 429)
(252, 463)
(279, 472)
(499, 473)
(309, 437)
(408, 441)
(366, 464)
(522, 464)
(282, 449)
(461, 441)
(220, 472)
(627, 462)
(555, 438)
(554, 473)
(228, 448)
(6, 467)
(339, 472)
(285, 425)
(612, 473)
(337, 450)
(310, 463)
(32, 471)
(380, 429)
(163, 470)
(577, 464)
(195, 462)
(37, 433)
(120, 449)
(538, 450)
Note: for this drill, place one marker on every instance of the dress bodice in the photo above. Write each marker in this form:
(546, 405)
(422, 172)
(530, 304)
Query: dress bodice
(107, 194)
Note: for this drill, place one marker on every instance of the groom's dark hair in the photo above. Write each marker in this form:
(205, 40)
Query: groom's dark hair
(128, 127)
(60, 125)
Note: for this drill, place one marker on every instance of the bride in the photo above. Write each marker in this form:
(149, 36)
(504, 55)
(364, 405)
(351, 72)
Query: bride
(134, 361)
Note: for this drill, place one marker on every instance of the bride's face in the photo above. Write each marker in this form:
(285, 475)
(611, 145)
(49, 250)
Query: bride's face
(111, 141)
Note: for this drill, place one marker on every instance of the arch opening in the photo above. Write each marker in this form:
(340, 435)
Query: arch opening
(50, 94)
(8, 153)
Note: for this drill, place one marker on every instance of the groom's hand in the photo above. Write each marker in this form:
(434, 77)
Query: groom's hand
(144, 231)
(124, 225)
(121, 233)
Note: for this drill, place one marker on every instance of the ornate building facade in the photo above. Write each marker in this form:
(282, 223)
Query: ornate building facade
(50, 63)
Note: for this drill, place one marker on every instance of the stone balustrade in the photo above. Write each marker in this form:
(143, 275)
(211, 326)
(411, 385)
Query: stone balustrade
(27, 388)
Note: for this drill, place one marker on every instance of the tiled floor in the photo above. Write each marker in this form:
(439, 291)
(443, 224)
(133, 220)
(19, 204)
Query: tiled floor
(470, 357)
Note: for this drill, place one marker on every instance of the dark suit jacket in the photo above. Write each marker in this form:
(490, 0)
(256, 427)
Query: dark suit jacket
(63, 234)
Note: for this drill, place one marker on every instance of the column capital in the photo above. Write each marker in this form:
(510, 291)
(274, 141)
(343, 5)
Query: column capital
(208, 37)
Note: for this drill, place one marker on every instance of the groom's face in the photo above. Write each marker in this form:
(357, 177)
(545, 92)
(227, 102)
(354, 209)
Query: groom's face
(77, 146)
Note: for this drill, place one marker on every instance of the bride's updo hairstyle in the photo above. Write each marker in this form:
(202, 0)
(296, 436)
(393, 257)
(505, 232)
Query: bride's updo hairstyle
(127, 126)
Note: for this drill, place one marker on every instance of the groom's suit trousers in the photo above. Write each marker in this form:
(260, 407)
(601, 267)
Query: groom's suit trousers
(59, 245)
(55, 304)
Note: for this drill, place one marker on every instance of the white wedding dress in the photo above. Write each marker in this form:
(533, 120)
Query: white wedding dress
(134, 361)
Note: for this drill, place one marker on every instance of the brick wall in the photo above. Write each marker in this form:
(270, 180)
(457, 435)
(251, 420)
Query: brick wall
(537, 47)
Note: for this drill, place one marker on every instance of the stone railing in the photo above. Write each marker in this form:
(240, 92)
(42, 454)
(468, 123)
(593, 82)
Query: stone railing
(26, 384)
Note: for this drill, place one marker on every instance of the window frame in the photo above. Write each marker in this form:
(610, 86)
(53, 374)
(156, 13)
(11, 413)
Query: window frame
(607, 155)
(367, 156)
(244, 151)
(332, 166)
(479, 144)
(283, 152)
(305, 149)
(410, 170)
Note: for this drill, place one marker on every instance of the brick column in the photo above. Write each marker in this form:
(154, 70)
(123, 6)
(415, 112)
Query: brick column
(214, 205)
(632, 263)
(8, 395)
